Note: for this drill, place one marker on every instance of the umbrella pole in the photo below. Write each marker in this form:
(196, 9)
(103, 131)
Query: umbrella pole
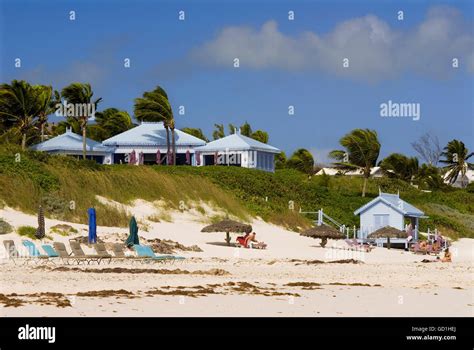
(227, 238)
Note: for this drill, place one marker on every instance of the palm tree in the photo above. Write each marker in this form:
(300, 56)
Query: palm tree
(112, 122)
(400, 166)
(196, 132)
(260, 135)
(246, 129)
(47, 100)
(19, 104)
(301, 160)
(280, 160)
(81, 94)
(362, 149)
(219, 132)
(429, 177)
(154, 106)
(455, 156)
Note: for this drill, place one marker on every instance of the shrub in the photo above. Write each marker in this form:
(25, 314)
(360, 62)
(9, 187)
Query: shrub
(27, 231)
(54, 205)
(470, 187)
(63, 230)
(5, 227)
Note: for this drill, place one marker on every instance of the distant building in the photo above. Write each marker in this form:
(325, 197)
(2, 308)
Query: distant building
(461, 181)
(238, 150)
(374, 172)
(70, 144)
(388, 210)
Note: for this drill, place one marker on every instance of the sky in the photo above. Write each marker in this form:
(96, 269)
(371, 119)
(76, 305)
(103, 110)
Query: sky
(282, 63)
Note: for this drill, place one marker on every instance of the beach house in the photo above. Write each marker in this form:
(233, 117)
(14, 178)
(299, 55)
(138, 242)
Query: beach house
(70, 144)
(148, 140)
(388, 210)
(238, 150)
(147, 144)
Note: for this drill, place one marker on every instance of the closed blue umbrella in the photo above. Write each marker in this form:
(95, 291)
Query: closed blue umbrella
(92, 225)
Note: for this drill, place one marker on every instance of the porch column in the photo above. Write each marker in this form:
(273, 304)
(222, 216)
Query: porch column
(416, 228)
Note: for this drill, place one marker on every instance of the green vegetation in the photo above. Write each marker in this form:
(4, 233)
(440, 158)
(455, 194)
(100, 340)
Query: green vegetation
(245, 129)
(155, 106)
(339, 196)
(80, 94)
(67, 187)
(400, 166)
(63, 230)
(196, 133)
(27, 231)
(361, 151)
(456, 157)
(301, 160)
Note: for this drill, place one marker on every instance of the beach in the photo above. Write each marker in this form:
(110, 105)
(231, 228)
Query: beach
(294, 276)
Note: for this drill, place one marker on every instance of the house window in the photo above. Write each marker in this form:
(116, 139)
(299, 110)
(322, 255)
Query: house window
(380, 220)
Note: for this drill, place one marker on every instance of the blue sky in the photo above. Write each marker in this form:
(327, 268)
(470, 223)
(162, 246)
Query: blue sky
(282, 62)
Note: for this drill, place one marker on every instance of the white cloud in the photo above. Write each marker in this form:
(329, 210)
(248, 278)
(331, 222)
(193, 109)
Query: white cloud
(375, 50)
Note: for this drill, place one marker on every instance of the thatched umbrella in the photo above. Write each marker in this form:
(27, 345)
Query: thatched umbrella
(324, 232)
(388, 232)
(228, 226)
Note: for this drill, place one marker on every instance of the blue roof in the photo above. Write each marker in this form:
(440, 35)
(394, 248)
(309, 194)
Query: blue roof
(151, 134)
(395, 202)
(237, 142)
(69, 142)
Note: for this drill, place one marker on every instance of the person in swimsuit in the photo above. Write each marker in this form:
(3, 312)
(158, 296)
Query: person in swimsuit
(251, 242)
(447, 256)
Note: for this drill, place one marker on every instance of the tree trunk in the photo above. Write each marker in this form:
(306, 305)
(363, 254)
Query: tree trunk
(84, 131)
(365, 186)
(173, 146)
(42, 132)
(23, 141)
(167, 145)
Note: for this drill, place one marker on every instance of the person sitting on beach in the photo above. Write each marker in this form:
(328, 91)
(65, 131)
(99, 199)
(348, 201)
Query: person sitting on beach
(436, 248)
(251, 242)
(242, 240)
(447, 256)
(424, 246)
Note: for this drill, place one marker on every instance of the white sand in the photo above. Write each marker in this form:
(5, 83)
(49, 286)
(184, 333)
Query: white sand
(405, 286)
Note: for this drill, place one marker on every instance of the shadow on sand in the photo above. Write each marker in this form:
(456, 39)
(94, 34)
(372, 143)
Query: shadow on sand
(222, 244)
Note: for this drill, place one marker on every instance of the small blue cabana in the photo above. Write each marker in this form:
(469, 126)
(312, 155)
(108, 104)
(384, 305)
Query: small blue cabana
(388, 210)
